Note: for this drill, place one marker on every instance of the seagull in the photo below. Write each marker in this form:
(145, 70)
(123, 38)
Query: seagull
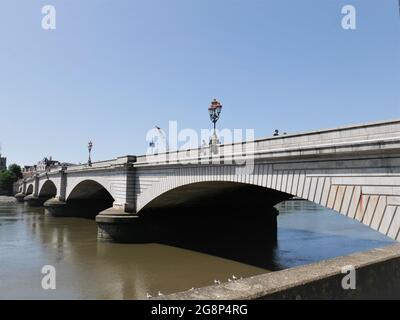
(229, 280)
(148, 295)
(217, 282)
(234, 277)
(160, 294)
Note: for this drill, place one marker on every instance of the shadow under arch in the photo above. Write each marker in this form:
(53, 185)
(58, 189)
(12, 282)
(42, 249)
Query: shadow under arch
(88, 198)
(216, 194)
(29, 190)
(48, 190)
(236, 221)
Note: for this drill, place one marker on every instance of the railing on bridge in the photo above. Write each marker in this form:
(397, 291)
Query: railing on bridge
(293, 144)
(341, 137)
(94, 165)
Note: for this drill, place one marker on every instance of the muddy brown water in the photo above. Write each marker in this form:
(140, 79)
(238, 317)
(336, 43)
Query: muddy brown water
(88, 269)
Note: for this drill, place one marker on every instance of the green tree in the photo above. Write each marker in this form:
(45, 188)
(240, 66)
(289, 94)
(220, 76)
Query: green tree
(16, 171)
(6, 181)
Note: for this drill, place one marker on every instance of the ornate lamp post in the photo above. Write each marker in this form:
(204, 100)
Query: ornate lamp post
(90, 146)
(214, 110)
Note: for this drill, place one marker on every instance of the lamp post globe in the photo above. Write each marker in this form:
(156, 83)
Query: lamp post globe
(214, 111)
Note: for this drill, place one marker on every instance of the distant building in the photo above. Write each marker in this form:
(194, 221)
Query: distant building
(42, 166)
(3, 163)
(28, 171)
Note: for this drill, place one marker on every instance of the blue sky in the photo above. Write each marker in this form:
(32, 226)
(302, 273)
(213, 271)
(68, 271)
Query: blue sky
(114, 69)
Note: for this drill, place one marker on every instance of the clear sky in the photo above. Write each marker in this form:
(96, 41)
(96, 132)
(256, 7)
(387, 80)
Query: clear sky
(113, 69)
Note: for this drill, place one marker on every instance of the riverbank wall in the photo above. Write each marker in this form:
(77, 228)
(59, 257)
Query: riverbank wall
(377, 276)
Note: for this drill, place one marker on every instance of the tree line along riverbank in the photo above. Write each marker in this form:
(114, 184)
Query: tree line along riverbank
(7, 179)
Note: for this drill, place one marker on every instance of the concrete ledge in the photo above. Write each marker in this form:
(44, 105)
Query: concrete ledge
(377, 275)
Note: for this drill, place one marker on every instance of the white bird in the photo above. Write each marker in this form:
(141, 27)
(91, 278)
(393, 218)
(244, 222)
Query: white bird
(217, 282)
(234, 277)
(229, 280)
(148, 295)
(192, 288)
(160, 294)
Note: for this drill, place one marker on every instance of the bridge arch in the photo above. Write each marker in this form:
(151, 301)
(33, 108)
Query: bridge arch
(354, 198)
(88, 198)
(29, 189)
(226, 195)
(213, 180)
(48, 189)
(79, 187)
(89, 189)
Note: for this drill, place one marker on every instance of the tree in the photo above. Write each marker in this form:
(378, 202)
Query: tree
(6, 181)
(8, 177)
(16, 171)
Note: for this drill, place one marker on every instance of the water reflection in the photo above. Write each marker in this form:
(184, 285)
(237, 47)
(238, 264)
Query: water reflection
(87, 269)
(310, 233)
(245, 236)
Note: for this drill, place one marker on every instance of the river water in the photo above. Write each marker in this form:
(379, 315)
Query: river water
(88, 269)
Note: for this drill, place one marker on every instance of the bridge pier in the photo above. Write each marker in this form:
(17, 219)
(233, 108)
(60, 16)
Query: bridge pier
(34, 201)
(20, 196)
(57, 208)
(270, 224)
(116, 225)
(82, 208)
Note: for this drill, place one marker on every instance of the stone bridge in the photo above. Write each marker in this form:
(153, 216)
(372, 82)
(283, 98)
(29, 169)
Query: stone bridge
(353, 170)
